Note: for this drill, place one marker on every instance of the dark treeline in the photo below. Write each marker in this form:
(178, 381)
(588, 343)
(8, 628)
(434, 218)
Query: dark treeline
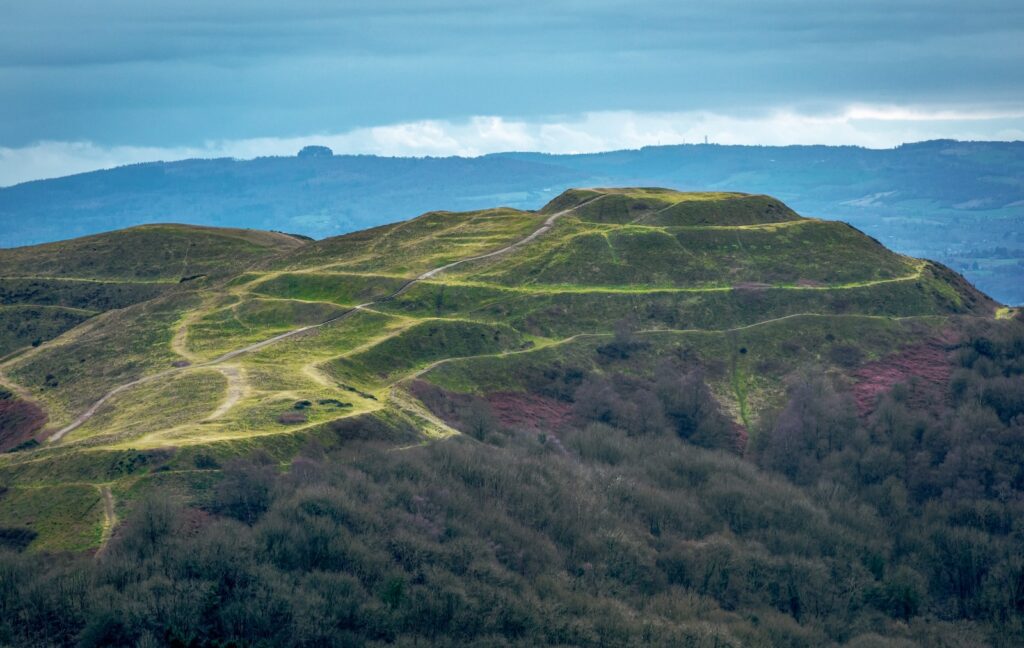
(903, 527)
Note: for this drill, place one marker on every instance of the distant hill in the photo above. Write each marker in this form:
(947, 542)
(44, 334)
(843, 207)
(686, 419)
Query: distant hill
(960, 203)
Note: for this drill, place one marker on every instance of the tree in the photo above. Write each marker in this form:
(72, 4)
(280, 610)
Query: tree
(245, 491)
(817, 421)
(691, 408)
(479, 419)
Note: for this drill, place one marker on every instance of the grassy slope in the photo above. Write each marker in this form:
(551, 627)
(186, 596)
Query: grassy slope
(719, 254)
(706, 274)
(157, 405)
(22, 325)
(251, 320)
(59, 285)
(76, 369)
(67, 517)
(743, 365)
(410, 247)
(145, 253)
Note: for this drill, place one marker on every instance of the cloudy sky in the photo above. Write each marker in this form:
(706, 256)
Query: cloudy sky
(88, 85)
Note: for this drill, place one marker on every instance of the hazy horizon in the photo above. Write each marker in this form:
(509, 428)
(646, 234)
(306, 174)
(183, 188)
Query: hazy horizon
(90, 159)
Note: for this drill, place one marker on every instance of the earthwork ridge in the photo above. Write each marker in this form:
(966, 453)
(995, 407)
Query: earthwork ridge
(471, 301)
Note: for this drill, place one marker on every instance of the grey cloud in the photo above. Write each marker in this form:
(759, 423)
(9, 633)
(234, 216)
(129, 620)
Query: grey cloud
(165, 72)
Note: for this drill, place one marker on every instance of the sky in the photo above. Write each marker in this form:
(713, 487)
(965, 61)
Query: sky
(86, 85)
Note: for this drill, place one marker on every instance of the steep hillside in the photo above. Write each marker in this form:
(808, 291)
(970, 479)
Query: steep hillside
(603, 390)
(48, 289)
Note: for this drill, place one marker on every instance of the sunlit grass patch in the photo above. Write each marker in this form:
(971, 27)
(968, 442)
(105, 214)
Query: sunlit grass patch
(269, 413)
(64, 517)
(417, 245)
(253, 320)
(339, 288)
(74, 371)
(421, 344)
(155, 405)
(325, 342)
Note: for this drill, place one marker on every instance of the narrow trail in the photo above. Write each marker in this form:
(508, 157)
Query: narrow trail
(233, 393)
(547, 225)
(109, 518)
(317, 376)
(431, 425)
(91, 411)
(88, 414)
(20, 391)
(169, 282)
(501, 354)
(179, 343)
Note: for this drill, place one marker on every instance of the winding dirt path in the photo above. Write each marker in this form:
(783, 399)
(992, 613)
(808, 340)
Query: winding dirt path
(88, 414)
(109, 518)
(179, 343)
(547, 225)
(91, 411)
(233, 393)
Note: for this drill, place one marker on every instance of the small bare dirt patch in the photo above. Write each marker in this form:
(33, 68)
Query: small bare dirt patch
(292, 418)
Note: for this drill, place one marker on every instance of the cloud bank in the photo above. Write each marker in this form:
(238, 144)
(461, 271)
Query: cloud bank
(872, 126)
(168, 73)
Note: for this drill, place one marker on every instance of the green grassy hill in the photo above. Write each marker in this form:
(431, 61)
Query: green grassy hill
(670, 266)
(551, 334)
(48, 289)
(146, 253)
